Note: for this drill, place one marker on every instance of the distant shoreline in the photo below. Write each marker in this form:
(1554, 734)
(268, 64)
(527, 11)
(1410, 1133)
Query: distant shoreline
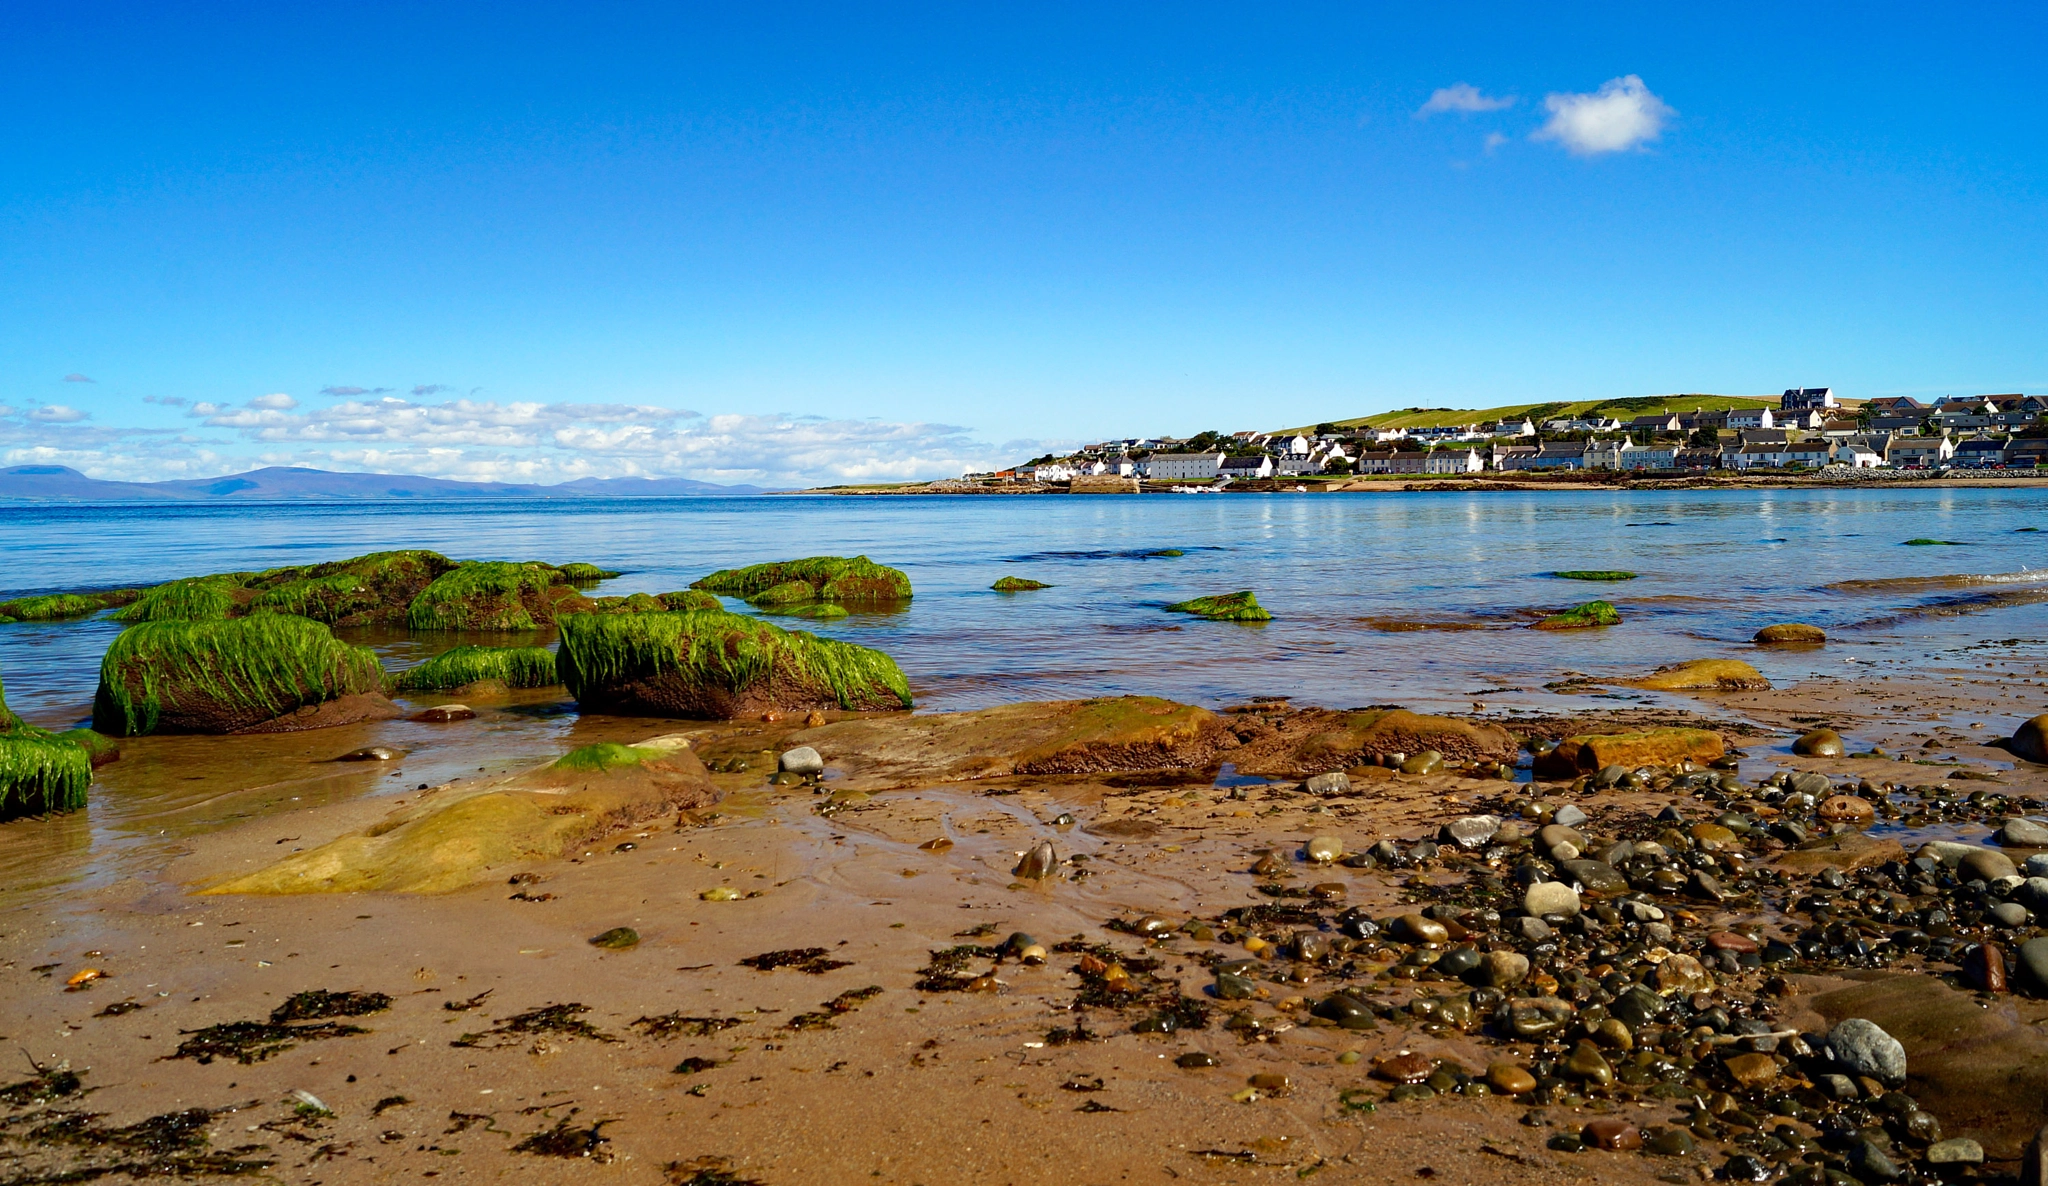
(1403, 484)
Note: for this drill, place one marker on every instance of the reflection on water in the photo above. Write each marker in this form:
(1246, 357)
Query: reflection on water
(1349, 580)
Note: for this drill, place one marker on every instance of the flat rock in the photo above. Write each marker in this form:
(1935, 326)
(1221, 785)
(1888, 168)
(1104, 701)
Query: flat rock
(1955, 1151)
(1808, 783)
(1752, 1070)
(1568, 816)
(1596, 877)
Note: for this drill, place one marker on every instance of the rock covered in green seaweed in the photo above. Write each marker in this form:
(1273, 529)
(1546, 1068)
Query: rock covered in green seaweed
(376, 589)
(41, 773)
(458, 667)
(1017, 585)
(579, 573)
(1594, 574)
(715, 665)
(266, 673)
(190, 599)
(846, 580)
(55, 607)
(1582, 617)
(689, 599)
(495, 595)
(1241, 606)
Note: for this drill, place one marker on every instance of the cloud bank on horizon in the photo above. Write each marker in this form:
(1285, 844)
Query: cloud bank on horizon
(489, 440)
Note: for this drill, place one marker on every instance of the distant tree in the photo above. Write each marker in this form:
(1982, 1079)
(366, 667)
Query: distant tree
(1703, 438)
(1339, 466)
(1327, 429)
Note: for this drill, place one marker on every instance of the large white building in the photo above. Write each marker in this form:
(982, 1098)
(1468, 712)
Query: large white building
(1183, 467)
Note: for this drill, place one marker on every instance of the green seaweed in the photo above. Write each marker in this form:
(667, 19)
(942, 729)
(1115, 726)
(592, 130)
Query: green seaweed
(98, 750)
(785, 593)
(606, 755)
(515, 667)
(579, 573)
(816, 611)
(192, 599)
(321, 598)
(1240, 606)
(689, 599)
(1167, 552)
(482, 595)
(853, 579)
(1581, 617)
(1935, 543)
(7, 719)
(1594, 574)
(632, 603)
(41, 774)
(206, 675)
(720, 650)
(1017, 585)
(50, 607)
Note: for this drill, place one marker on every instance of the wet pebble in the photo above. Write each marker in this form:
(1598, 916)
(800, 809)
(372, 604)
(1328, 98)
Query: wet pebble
(1984, 968)
(1955, 1151)
(801, 760)
(443, 713)
(370, 753)
(1862, 1048)
(1195, 1060)
(1985, 864)
(1324, 849)
(1612, 1132)
(1038, 863)
(1407, 1067)
(1510, 1078)
(616, 939)
(1550, 897)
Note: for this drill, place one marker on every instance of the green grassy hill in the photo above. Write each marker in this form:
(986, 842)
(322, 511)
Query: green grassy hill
(1623, 409)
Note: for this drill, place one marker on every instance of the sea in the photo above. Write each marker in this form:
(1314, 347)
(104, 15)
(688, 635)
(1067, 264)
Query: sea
(1422, 599)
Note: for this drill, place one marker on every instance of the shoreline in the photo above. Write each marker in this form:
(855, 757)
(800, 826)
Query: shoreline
(1399, 484)
(789, 1077)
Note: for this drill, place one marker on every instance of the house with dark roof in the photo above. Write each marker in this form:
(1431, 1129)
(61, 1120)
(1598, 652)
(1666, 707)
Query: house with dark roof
(1980, 453)
(1807, 397)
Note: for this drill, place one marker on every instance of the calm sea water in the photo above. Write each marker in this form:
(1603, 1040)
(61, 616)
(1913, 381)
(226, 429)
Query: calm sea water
(1334, 569)
(1342, 575)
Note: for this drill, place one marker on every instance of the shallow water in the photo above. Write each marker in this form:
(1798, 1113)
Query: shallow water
(1344, 577)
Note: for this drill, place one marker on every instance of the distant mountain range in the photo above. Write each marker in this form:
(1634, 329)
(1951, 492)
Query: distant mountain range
(57, 483)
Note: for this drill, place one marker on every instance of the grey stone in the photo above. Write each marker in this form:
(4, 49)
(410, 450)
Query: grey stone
(2033, 962)
(1955, 1151)
(1569, 815)
(1334, 783)
(1549, 836)
(1533, 929)
(2023, 833)
(1948, 852)
(1841, 1087)
(801, 760)
(1474, 831)
(1806, 782)
(1863, 1048)
(1500, 969)
(1984, 864)
(1550, 897)
(1658, 932)
(1636, 1007)
(1232, 987)
(2009, 915)
(1642, 911)
(1870, 1163)
(2036, 866)
(1597, 877)
(2032, 893)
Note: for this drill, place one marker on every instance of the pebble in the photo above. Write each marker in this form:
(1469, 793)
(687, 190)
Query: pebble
(1730, 941)
(443, 713)
(801, 760)
(370, 753)
(1596, 877)
(1474, 831)
(1426, 762)
(1569, 815)
(1586, 1062)
(1271, 1082)
(1683, 975)
(1670, 1142)
(1713, 837)
(1752, 1070)
(1232, 987)
(1458, 961)
(2023, 833)
(1408, 1067)
(1821, 743)
(1267, 865)
(1984, 968)
(1847, 809)
(1985, 864)
(1335, 783)
(1038, 863)
(1509, 1078)
(1612, 1132)
(1416, 929)
(1196, 1060)
(1034, 953)
(2010, 915)
(1863, 1048)
(1550, 836)
(1955, 1151)
(1500, 969)
(616, 939)
(1806, 782)
(1324, 849)
(1532, 929)
(1550, 897)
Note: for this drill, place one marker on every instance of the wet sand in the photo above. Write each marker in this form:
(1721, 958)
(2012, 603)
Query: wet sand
(805, 1078)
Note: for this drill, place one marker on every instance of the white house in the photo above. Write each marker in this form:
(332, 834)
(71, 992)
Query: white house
(1453, 461)
(1122, 467)
(1051, 471)
(1857, 456)
(1256, 465)
(1807, 397)
(1751, 418)
(1183, 467)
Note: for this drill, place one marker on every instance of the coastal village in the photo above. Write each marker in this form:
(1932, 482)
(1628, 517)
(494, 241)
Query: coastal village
(1807, 430)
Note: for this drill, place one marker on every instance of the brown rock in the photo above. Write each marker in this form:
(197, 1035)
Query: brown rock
(1510, 1079)
(1410, 1067)
(1711, 837)
(1612, 1132)
(1790, 632)
(1752, 1070)
(1722, 675)
(1984, 968)
(1373, 735)
(1271, 1082)
(1651, 747)
(1730, 941)
(443, 713)
(1847, 851)
(1821, 743)
(1682, 974)
(1848, 809)
(2030, 741)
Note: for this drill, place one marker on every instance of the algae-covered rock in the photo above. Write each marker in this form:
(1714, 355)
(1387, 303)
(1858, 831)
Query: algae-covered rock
(376, 589)
(99, 749)
(816, 611)
(460, 836)
(7, 719)
(55, 607)
(852, 580)
(495, 595)
(717, 665)
(1241, 606)
(1370, 736)
(267, 673)
(41, 774)
(1582, 617)
(1649, 747)
(514, 667)
(1594, 574)
(1726, 675)
(1121, 733)
(190, 599)
(689, 599)
(1017, 585)
(1790, 633)
(579, 573)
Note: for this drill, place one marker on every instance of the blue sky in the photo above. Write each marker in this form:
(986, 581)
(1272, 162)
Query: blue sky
(751, 243)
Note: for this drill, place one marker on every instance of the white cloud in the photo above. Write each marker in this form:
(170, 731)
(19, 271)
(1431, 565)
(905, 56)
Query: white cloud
(75, 377)
(57, 414)
(1622, 114)
(278, 400)
(1463, 98)
(1493, 141)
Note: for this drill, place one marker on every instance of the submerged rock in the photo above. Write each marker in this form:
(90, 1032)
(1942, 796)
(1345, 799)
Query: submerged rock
(266, 673)
(854, 580)
(1727, 675)
(1017, 585)
(719, 666)
(1582, 617)
(1790, 632)
(1820, 743)
(1241, 606)
(460, 667)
